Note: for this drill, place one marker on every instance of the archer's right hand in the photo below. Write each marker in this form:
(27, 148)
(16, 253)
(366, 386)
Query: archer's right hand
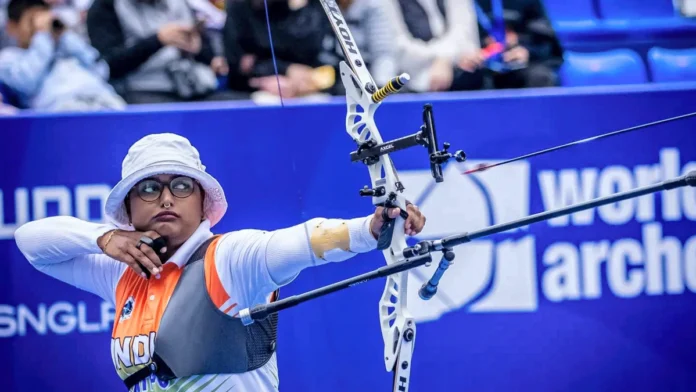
(122, 246)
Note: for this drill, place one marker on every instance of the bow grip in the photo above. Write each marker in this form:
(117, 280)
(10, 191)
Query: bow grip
(387, 231)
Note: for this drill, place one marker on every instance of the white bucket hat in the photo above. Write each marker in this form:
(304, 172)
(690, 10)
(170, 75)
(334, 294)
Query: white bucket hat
(164, 153)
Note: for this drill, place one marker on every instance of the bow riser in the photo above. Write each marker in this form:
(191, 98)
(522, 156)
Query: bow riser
(361, 127)
(362, 100)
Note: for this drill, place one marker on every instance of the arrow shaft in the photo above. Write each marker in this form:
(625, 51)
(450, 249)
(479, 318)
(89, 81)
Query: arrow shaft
(577, 142)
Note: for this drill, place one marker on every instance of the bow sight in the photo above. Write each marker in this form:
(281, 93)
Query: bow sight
(369, 152)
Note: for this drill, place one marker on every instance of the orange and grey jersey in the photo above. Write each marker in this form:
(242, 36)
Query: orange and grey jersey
(241, 269)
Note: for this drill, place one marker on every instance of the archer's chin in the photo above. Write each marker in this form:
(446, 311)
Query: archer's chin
(168, 228)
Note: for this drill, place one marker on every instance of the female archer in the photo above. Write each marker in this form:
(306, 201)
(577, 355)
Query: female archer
(176, 286)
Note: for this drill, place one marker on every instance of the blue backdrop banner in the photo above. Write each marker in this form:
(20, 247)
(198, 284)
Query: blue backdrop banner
(602, 300)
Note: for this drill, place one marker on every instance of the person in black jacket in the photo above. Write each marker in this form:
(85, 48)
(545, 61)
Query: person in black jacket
(156, 50)
(532, 53)
(298, 28)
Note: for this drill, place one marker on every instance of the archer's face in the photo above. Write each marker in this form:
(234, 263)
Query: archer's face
(170, 205)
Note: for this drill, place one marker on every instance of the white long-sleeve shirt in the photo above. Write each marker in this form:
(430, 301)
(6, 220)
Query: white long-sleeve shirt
(248, 266)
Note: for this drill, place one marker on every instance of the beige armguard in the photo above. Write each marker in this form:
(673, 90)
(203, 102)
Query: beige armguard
(323, 239)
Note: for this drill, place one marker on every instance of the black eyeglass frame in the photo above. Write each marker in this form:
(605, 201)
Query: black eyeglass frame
(162, 186)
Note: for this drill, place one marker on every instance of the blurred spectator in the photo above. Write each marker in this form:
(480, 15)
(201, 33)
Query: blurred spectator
(431, 37)
(52, 68)
(298, 28)
(73, 13)
(5, 108)
(156, 51)
(213, 13)
(686, 7)
(531, 54)
(367, 21)
(5, 40)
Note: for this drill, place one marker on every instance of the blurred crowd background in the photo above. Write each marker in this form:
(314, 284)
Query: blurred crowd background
(90, 55)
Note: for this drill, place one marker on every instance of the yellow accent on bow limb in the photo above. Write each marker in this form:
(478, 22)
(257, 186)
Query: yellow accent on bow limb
(393, 86)
(325, 239)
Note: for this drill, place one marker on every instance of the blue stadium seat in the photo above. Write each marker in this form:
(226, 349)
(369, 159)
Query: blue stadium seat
(646, 19)
(636, 9)
(571, 18)
(613, 67)
(572, 11)
(634, 24)
(672, 65)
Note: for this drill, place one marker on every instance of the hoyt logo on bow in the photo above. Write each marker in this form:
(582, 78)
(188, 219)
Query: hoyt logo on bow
(340, 25)
(362, 100)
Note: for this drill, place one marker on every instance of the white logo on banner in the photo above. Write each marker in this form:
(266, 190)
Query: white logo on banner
(499, 273)
(488, 274)
(64, 201)
(59, 318)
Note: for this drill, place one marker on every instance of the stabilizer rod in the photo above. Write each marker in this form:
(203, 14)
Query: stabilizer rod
(260, 312)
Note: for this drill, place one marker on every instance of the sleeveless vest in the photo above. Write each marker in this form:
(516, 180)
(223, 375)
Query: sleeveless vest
(195, 337)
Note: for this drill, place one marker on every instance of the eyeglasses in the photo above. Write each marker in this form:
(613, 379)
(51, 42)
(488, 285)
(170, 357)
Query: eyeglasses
(151, 189)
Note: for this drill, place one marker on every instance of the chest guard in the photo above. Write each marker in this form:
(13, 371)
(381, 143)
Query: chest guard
(195, 337)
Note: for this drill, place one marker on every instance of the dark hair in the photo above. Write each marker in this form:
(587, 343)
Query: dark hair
(17, 8)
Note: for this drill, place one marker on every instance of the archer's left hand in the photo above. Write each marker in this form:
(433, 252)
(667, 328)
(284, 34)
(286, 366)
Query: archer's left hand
(414, 223)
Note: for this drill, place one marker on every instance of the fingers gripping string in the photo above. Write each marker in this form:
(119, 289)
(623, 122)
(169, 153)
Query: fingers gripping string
(270, 40)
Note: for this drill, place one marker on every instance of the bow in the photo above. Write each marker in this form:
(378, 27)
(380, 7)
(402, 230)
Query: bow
(362, 100)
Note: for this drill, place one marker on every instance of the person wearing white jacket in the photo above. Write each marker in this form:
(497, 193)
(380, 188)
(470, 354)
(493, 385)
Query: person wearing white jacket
(190, 291)
(432, 38)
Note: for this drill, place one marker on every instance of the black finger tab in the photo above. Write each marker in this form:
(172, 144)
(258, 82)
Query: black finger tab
(158, 244)
(385, 235)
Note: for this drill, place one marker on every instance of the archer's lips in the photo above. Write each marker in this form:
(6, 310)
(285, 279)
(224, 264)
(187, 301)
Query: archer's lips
(166, 216)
